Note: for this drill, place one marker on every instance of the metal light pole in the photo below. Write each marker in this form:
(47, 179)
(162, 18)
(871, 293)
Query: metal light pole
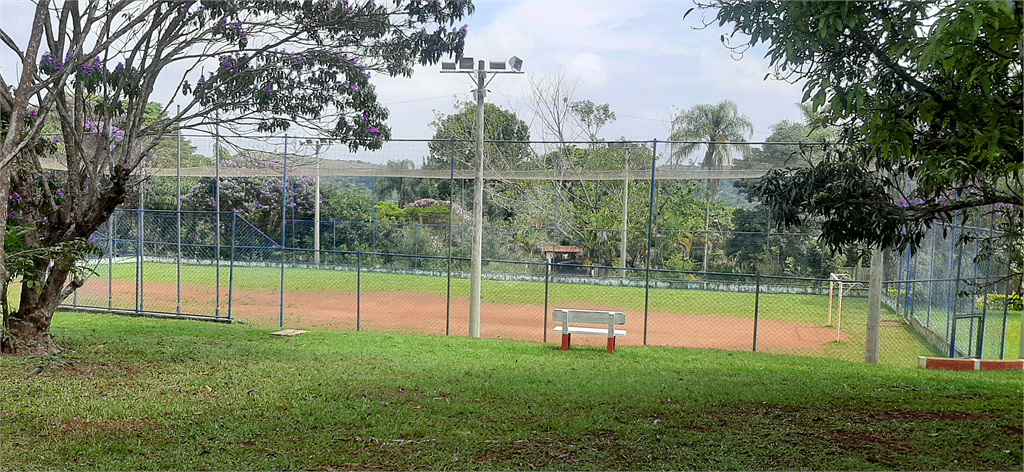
(319, 143)
(465, 64)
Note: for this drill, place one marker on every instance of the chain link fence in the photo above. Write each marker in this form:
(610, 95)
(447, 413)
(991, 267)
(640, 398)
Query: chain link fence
(293, 233)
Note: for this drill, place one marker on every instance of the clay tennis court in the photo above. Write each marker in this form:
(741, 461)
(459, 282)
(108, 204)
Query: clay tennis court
(412, 312)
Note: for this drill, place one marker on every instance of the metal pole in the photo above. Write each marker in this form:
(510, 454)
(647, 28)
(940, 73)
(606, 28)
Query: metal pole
(650, 243)
(177, 191)
(451, 222)
(231, 267)
(625, 214)
(110, 259)
(316, 210)
(216, 211)
(373, 220)
(956, 291)
(874, 333)
(547, 295)
(476, 260)
(1006, 313)
(284, 222)
(757, 307)
(140, 286)
(359, 288)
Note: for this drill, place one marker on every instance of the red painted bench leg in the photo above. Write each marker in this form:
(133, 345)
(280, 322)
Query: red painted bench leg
(566, 339)
(611, 345)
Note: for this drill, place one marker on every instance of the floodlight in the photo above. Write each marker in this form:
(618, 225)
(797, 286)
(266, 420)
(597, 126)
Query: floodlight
(447, 66)
(497, 65)
(466, 63)
(515, 63)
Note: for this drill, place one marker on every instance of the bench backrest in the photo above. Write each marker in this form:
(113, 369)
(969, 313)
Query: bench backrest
(589, 317)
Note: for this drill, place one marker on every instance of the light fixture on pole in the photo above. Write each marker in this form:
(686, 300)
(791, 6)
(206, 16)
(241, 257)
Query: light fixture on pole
(479, 74)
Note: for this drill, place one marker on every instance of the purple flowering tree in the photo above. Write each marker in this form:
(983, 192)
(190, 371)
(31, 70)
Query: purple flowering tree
(256, 199)
(249, 65)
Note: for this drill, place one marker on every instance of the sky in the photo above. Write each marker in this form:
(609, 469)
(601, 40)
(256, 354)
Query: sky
(639, 56)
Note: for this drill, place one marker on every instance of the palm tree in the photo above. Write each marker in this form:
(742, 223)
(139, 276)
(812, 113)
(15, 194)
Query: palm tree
(711, 126)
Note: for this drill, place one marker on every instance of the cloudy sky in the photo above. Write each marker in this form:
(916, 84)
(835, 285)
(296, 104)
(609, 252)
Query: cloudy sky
(639, 56)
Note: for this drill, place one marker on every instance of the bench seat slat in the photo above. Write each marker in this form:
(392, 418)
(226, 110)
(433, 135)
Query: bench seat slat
(598, 331)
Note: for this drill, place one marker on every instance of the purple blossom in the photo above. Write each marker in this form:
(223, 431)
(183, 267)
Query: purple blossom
(14, 196)
(31, 113)
(60, 193)
(223, 21)
(372, 130)
(464, 29)
(119, 67)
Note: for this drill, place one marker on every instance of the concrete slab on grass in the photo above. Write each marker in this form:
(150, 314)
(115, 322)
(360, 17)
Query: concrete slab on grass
(289, 332)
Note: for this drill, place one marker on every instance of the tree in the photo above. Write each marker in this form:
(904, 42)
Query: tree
(399, 189)
(505, 148)
(712, 127)
(800, 144)
(927, 100)
(505, 136)
(250, 65)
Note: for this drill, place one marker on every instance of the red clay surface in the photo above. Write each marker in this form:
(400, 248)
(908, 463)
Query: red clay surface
(413, 312)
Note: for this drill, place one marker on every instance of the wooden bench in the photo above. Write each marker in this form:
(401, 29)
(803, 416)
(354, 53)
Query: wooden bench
(568, 318)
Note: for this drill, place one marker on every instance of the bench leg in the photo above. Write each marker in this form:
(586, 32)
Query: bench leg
(611, 345)
(566, 339)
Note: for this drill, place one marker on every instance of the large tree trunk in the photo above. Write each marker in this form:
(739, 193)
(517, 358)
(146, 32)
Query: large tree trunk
(27, 330)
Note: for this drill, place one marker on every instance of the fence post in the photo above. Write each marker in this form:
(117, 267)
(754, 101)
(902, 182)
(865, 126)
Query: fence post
(177, 191)
(874, 331)
(140, 303)
(757, 307)
(547, 296)
(216, 211)
(284, 221)
(231, 268)
(451, 221)
(359, 288)
(110, 259)
(650, 242)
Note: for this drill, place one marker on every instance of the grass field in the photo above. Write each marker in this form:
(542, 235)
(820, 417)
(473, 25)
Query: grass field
(144, 394)
(900, 344)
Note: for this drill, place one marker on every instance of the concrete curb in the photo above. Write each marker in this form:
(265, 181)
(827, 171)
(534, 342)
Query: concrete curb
(947, 363)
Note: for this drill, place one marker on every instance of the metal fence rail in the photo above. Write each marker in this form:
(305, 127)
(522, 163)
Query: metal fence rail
(684, 279)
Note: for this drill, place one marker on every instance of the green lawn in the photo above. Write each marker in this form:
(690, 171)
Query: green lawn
(145, 394)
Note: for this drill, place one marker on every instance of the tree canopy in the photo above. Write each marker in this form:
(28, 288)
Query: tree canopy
(249, 65)
(927, 101)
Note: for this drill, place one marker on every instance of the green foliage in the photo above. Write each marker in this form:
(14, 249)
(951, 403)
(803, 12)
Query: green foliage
(998, 300)
(704, 126)
(388, 212)
(927, 98)
(455, 137)
(435, 214)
